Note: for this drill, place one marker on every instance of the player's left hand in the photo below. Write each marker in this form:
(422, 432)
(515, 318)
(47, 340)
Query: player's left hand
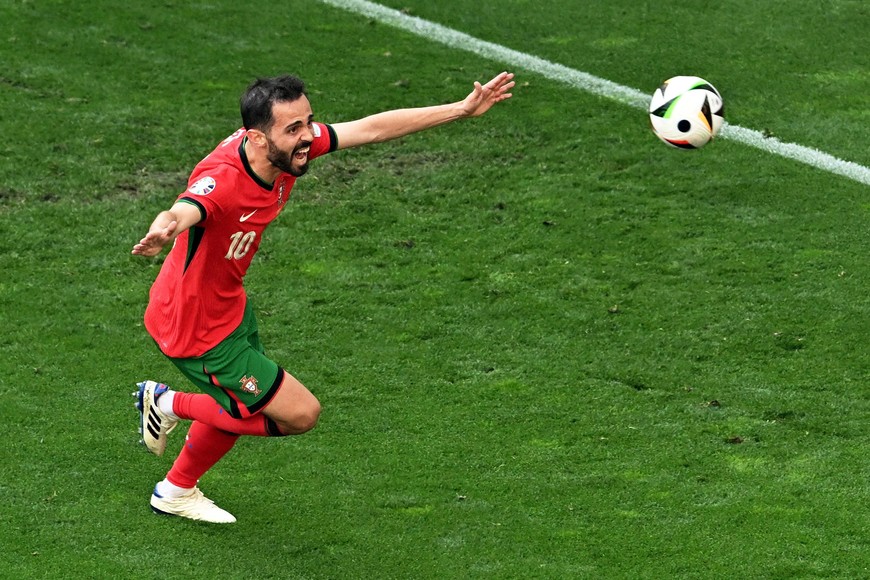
(485, 96)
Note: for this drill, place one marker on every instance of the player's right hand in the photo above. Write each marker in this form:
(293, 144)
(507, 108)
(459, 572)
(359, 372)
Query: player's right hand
(155, 240)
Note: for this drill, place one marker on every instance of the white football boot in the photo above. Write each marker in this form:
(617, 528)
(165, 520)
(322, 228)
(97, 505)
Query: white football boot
(194, 506)
(154, 424)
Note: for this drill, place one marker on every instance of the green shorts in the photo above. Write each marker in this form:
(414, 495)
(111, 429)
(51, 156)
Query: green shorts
(236, 372)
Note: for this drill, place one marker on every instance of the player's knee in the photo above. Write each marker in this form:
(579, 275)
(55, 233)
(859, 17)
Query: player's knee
(295, 410)
(307, 416)
(303, 418)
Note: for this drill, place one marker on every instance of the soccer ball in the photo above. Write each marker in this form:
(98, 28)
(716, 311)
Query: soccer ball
(686, 112)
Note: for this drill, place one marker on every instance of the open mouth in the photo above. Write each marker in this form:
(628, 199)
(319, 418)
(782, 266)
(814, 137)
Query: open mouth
(302, 153)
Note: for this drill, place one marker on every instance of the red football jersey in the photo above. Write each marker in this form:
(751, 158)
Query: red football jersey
(198, 298)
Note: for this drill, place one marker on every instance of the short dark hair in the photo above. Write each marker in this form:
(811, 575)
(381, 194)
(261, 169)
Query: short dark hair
(256, 103)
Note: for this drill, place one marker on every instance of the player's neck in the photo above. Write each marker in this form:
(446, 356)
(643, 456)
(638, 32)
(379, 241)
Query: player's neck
(260, 164)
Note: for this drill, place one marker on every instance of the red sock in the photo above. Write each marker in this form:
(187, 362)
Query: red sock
(203, 447)
(203, 408)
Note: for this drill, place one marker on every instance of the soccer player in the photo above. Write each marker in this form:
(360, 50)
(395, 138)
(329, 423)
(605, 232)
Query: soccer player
(198, 313)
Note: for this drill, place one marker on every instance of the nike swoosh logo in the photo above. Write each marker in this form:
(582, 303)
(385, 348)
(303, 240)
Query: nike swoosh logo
(245, 218)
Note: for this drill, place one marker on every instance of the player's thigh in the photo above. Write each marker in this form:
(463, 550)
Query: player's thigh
(293, 405)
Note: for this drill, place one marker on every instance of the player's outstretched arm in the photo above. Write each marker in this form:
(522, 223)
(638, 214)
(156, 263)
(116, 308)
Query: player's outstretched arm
(400, 122)
(166, 227)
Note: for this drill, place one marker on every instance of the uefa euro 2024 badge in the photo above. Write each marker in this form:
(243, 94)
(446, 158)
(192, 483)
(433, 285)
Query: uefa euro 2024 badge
(202, 186)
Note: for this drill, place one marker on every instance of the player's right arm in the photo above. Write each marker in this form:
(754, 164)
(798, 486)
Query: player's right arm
(166, 227)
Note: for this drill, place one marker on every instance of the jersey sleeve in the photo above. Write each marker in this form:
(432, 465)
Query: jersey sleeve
(325, 140)
(211, 190)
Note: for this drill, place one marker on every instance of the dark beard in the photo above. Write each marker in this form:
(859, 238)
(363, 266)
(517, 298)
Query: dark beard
(284, 161)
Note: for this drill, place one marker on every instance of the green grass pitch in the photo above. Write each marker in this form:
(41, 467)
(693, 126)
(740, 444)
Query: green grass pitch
(547, 346)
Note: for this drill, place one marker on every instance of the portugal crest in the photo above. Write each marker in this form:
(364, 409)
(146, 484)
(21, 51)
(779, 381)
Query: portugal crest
(249, 385)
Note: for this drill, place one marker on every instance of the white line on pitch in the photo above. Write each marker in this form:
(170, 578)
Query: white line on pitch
(592, 84)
